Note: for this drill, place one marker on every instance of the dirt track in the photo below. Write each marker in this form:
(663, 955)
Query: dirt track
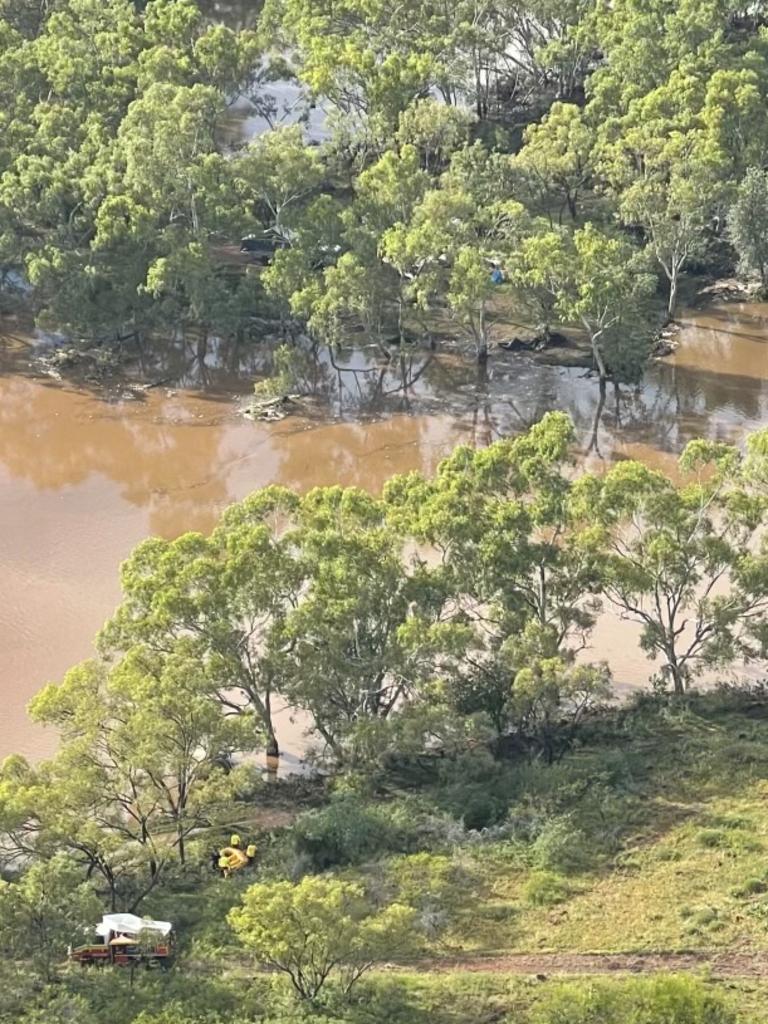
(721, 963)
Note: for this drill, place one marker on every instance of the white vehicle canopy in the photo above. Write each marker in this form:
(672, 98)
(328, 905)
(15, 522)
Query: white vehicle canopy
(130, 924)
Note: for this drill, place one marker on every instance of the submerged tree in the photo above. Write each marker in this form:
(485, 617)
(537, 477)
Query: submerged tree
(601, 282)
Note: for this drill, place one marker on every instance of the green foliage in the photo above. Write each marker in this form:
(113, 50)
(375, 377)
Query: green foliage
(545, 889)
(556, 158)
(115, 191)
(436, 130)
(321, 927)
(670, 545)
(350, 832)
(43, 911)
(145, 759)
(476, 804)
(561, 846)
(746, 224)
(118, 186)
(677, 1000)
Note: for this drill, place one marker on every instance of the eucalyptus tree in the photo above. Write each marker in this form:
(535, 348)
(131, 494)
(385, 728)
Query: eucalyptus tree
(146, 731)
(112, 190)
(144, 764)
(509, 560)
(598, 280)
(48, 908)
(322, 929)
(224, 598)
(362, 286)
(687, 562)
(351, 650)
(748, 224)
(368, 59)
(557, 159)
(446, 250)
(435, 129)
(278, 173)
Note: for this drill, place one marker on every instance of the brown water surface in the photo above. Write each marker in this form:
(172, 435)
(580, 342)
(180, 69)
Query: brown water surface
(85, 475)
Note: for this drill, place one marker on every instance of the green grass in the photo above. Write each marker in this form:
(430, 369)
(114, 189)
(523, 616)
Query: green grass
(651, 835)
(455, 998)
(671, 824)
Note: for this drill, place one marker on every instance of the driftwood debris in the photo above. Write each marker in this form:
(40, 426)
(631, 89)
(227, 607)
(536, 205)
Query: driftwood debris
(273, 409)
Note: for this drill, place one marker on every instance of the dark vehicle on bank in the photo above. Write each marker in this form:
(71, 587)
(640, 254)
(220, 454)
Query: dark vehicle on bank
(261, 248)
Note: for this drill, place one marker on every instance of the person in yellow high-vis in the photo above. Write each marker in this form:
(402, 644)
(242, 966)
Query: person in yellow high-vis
(234, 840)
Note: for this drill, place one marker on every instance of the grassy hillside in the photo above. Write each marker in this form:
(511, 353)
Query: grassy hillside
(647, 839)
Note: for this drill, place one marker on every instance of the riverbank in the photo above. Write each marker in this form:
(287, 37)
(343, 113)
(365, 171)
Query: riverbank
(640, 852)
(85, 475)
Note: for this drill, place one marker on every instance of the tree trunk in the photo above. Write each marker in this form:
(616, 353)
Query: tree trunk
(595, 438)
(597, 355)
(273, 750)
(672, 305)
(482, 339)
(677, 674)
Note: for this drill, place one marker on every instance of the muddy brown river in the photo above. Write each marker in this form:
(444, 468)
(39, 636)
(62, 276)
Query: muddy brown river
(85, 474)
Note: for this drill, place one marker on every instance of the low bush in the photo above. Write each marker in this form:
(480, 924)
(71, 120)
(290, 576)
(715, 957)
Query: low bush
(752, 887)
(350, 832)
(712, 838)
(474, 803)
(545, 889)
(667, 999)
(561, 848)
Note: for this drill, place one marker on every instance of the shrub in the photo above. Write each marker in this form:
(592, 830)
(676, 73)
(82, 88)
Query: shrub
(349, 832)
(478, 805)
(704, 917)
(711, 838)
(714, 838)
(319, 929)
(729, 821)
(545, 889)
(671, 999)
(752, 887)
(562, 848)
(438, 888)
(668, 853)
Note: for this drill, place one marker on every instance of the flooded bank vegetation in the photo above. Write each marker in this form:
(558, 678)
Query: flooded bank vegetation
(479, 811)
(475, 169)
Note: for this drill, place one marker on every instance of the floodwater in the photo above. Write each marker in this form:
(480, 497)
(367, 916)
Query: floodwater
(87, 472)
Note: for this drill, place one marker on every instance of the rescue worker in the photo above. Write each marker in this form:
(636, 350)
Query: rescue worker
(234, 840)
(224, 866)
(250, 853)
